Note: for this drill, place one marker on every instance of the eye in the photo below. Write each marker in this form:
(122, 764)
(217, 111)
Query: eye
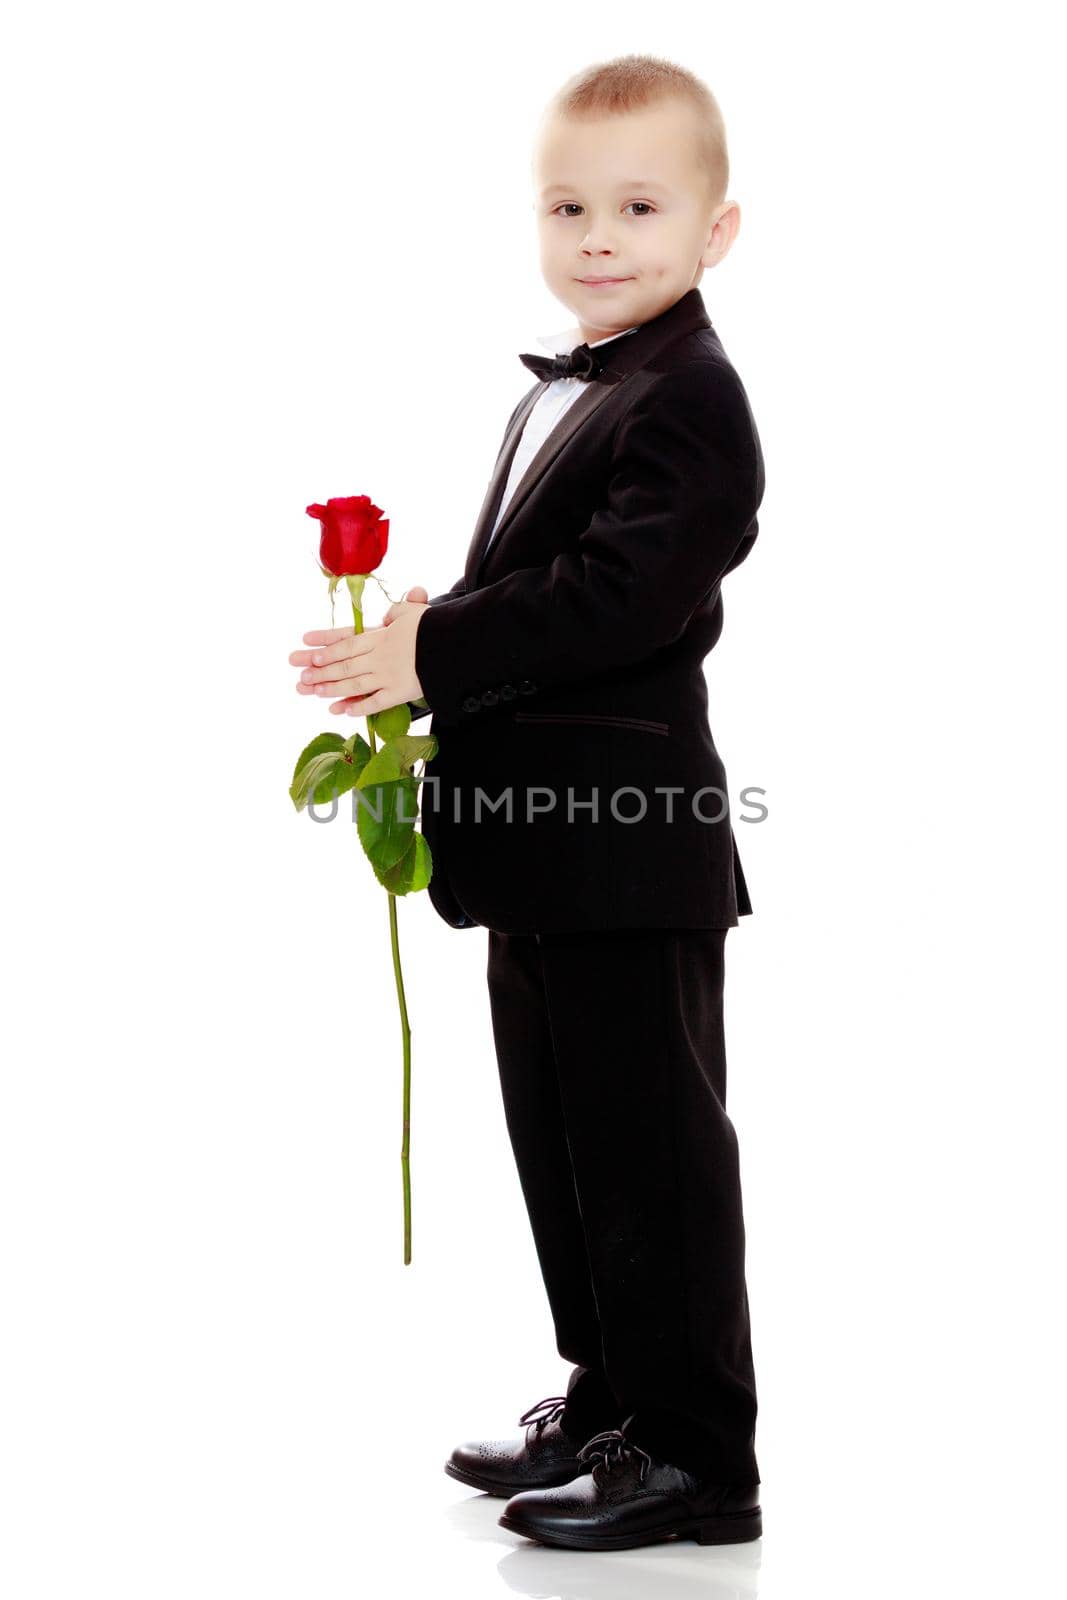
(572, 206)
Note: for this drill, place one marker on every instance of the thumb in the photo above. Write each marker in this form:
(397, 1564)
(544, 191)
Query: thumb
(416, 595)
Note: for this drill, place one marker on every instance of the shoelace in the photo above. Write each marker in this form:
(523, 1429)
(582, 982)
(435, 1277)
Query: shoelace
(614, 1449)
(550, 1409)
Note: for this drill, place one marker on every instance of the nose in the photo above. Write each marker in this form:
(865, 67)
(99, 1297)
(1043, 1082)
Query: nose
(596, 241)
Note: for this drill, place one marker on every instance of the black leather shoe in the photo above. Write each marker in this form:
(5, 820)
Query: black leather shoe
(545, 1456)
(629, 1498)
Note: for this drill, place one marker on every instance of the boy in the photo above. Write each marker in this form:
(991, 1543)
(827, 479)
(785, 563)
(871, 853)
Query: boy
(580, 815)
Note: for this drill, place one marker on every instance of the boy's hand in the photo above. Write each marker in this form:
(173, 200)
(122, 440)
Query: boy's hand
(372, 670)
(417, 596)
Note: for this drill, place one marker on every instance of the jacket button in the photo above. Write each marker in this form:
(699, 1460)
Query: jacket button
(507, 691)
(526, 687)
(472, 703)
(490, 697)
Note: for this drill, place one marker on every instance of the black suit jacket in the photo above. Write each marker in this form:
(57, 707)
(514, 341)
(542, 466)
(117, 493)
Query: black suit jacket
(565, 667)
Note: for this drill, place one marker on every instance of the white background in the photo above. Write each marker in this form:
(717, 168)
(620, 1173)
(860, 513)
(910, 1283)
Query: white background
(261, 255)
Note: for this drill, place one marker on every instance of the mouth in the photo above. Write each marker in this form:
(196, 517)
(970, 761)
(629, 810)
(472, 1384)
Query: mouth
(596, 282)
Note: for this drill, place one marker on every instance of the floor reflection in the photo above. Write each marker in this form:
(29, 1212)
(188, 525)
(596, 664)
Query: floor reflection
(678, 1569)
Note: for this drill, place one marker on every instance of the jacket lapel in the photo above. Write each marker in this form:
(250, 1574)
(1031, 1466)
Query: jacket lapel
(592, 395)
(633, 352)
(496, 485)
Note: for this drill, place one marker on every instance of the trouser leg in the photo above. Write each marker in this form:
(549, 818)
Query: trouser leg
(636, 1027)
(534, 1116)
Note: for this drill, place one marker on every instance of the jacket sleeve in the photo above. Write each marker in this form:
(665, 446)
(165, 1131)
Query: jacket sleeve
(679, 512)
(458, 588)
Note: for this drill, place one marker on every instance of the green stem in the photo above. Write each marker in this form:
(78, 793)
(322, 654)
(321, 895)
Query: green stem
(394, 939)
(405, 1146)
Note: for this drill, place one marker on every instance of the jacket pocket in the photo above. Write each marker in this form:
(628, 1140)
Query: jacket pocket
(594, 720)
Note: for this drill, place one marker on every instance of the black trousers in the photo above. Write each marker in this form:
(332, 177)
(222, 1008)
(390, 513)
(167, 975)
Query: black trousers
(612, 1063)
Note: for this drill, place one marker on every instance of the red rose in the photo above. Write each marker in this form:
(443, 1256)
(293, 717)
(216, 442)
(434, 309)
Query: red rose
(354, 535)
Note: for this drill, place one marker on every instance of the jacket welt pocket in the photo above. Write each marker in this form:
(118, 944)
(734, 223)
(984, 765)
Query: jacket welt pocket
(593, 720)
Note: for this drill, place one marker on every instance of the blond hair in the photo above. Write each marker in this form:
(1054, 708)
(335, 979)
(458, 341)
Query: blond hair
(629, 83)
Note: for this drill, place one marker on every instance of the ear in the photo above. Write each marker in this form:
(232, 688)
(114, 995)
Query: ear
(724, 231)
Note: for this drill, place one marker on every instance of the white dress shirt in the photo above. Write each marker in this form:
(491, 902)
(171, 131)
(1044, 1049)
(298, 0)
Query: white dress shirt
(548, 408)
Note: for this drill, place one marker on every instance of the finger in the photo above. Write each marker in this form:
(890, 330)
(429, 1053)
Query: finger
(352, 707)
(333, 670)
(360, 706)
(364, 684)
(332, 636)
(344, 649)
(351, 701)
(340, 660)
(334, 655)
(328, 635)
(302, 658)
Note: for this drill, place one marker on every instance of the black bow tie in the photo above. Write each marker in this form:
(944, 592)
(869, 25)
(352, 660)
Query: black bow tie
(581, 362)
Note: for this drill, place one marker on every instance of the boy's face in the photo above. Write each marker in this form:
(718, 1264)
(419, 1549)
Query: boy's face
(623, 197)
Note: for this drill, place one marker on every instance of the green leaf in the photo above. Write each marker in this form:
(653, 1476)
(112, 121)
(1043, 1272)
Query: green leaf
(386, 841)
(328, 766)
(383, 767)
(427, 855)
(321, 744)
(412, 747)
(412, 872)
(392, 722)
(359, 750)
(321, 778)
(334, 784)
(322, 741)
